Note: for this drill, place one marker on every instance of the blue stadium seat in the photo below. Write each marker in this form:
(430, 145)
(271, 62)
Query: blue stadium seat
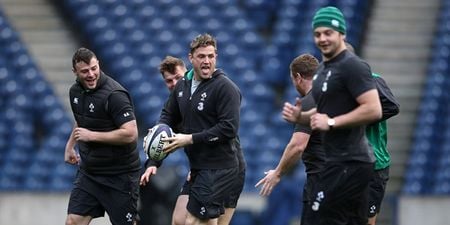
(106, 38)
(241, 217)
(65, 171)
(100, 24)
(49, 157)
(145, 51)
(251, 115)
(176, 12)
(19, 158)
(286, 25)
(12, 170)
(184, 25)
(157, 24)
(133, 78)
(441, 188)
(176, 49)
(10, 183)
(58, 183)
(87, 10)
(413, 187)
(7, 34)
(146, 12)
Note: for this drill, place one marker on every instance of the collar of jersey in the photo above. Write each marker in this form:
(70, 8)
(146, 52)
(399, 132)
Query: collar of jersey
(190, 74)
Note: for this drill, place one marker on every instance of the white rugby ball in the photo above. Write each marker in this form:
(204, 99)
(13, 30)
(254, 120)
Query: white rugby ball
(153, 146)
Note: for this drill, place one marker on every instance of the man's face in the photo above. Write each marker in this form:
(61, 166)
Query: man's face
(328, 41)
(171, 78)
(88, 74)
(203, 61)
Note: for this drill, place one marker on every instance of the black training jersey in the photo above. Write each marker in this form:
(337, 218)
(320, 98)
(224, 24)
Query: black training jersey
(336, 86)
(314, 156)
(104, 109)
(211, 114)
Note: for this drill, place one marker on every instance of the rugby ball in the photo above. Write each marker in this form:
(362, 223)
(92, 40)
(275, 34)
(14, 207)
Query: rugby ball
(153, 146)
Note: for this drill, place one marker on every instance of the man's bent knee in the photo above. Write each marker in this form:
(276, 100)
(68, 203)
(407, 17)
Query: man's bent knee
(73, 219)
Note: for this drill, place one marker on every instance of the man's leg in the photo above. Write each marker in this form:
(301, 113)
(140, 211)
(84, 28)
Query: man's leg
(225, 218)
(180, 211)
(73, 219)
(377, 189)
(372, 220)
(192, 220)
(208, 190)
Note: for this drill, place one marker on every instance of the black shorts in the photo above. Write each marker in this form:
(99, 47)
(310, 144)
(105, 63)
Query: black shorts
(92, 195)
(232, 199)
(208, 189)
(341, 195)
(311, 180)
(377, 188)
(185, 188)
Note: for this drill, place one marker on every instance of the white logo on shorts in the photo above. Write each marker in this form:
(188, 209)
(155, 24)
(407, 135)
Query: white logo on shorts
(202, 210)
(372, 209)
(129, 217)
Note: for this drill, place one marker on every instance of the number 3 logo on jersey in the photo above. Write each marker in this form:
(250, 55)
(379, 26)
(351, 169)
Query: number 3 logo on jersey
(325, 84)
(200, 106)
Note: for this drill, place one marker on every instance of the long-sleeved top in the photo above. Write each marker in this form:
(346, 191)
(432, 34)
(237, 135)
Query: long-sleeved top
(211, 114)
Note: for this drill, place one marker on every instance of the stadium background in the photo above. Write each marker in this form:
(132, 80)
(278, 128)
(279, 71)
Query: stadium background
(406, 41)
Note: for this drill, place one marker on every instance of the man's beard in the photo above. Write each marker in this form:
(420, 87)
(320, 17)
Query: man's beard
(329, 54)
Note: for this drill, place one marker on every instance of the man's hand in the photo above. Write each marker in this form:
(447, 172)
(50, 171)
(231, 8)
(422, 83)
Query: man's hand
(176, 141)
(319, 121)
(271, 180)
(82, 134)
(71, 156)
(145, 178)
(292, 113)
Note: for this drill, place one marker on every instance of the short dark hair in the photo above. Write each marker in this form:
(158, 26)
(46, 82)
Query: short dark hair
(169, 64)
(82, 55)
(305, 64)
(203, 40)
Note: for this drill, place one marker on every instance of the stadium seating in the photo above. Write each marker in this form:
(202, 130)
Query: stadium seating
(429, 158)
(34, 125)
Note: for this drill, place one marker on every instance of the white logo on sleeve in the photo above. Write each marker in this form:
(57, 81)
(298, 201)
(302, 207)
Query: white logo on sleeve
(213, 139)
(127, 114)
(75, 100)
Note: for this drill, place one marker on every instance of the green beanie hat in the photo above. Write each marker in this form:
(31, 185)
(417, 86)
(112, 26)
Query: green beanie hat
(330, 17)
